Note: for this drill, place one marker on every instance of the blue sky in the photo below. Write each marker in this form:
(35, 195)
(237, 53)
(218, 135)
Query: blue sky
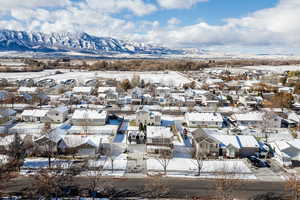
(259, 26)
(213, 11)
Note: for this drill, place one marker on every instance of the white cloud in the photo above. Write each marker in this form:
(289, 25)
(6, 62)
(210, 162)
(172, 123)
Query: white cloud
(11, 4)
(177, 4)
(173, 21)
(277, 26)
(138, 7)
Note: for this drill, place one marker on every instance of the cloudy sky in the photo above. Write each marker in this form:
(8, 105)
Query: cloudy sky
(259, 26)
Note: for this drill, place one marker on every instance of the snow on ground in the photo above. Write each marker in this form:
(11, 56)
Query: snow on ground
(211, 168)
(275, 69)
(168, 78)
(3, 159)
(119, 166)
(11, 63)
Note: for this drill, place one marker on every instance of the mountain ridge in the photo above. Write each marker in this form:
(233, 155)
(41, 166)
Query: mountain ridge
(11, 40)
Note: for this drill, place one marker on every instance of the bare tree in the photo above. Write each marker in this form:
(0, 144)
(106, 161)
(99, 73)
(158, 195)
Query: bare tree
(85, 123)
(198, 162)
(49, 145)
(6, 172)
(164, 156)
(111, 156)
(49, 183)
(16, 151)
(164, 159)
(155, 187)
(226, 183)
(135, 81)
(292, 186)
(267, 123)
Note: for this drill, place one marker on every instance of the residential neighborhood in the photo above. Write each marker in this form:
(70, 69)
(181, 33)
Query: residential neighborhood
(238, 121)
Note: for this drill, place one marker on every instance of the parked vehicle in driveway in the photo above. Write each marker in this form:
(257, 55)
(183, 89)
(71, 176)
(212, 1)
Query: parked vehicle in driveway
(258, 162)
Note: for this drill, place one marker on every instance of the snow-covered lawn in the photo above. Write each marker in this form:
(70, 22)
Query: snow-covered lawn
(185, 167)
(119, 166)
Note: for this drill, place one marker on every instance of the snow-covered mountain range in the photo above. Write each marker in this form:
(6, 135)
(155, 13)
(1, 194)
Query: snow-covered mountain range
(76, 42)
(83, 45)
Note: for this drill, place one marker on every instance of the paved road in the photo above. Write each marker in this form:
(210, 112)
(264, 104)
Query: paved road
(179, 188)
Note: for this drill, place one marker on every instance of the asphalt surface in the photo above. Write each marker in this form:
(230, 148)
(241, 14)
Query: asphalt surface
(178, 187)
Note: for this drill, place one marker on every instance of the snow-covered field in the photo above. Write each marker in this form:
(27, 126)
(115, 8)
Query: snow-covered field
(11, 63)
(167, 78)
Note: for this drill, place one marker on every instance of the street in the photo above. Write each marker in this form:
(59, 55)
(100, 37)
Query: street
(178, 188)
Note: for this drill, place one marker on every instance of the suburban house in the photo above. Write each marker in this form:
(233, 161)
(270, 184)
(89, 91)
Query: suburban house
(58, 115)
(111, 97)
(196, 119)
(158, 139)
(86, 117)
(137, 93)
(230, 146)
(287, 152)
(36, 115)
(256, 119)
(144, 116)
(49, 142)
(162, 91)
(7, 114)
(105, 90)
(82, 145)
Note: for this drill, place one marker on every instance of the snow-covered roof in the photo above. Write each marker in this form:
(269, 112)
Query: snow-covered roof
(293, 116)
(251, 82)
(8, 112)
(195, 116)
(211, 81)
(97, 130)
(35, 113)
(89, 114)
(106, 89)
(287, 148)
(61, 109)
(250, 116)
(73, 141)
(82, 89)
(3, 94)
(162, 88)
(27, 89)
(158, 132)
(238, 141)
